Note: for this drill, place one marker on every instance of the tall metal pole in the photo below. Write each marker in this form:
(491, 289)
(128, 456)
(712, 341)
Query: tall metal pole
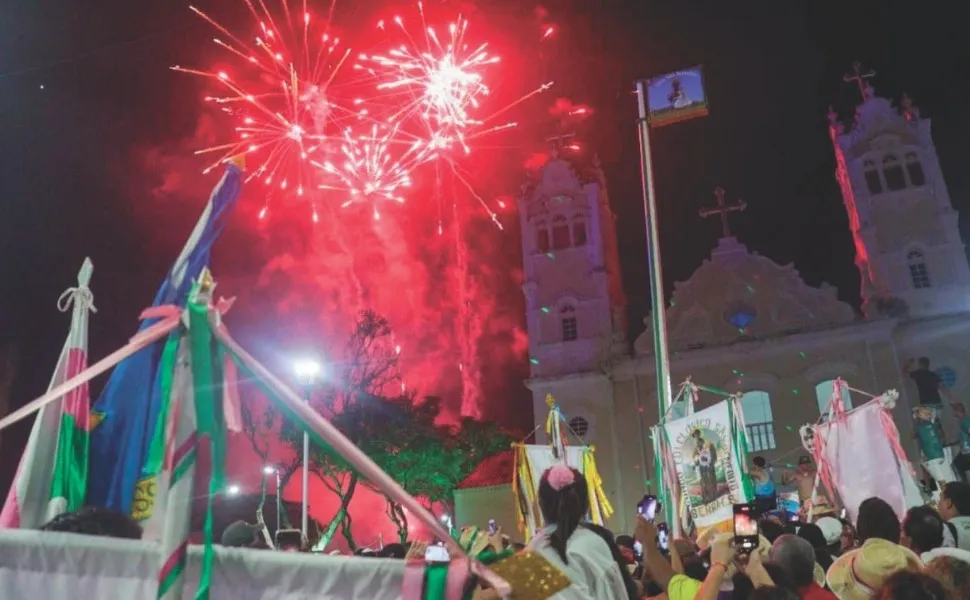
(306, 471)
(279, 503)
(661, 355)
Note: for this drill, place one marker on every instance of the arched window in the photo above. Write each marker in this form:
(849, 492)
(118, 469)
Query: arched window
(871, 173)
(918, 273)
(579, 230)
(560, 233)
(570, 327)
(579, 426)
(756, 406)
(542, 237)
(823, 391)
(893, 172)
(914, 168)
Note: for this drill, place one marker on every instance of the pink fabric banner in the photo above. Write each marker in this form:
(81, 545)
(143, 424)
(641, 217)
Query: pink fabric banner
(862, 433)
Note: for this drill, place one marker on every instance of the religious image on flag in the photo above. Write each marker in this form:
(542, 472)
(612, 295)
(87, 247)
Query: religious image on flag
(708, 456)
(52, 476)
(129, 421)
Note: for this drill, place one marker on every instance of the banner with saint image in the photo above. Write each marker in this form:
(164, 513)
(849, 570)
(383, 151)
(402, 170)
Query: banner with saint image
(708, 448)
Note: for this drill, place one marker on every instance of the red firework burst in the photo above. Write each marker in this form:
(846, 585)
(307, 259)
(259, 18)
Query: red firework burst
(435, 87)
(280, 95)
(369, 170)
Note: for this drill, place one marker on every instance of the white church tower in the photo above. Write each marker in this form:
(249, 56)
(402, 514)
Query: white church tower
(908, 247)
(575, 306)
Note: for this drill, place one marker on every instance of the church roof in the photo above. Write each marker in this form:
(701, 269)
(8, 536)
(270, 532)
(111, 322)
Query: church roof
(876, 117)
(739, 295)
(560, 174)
(494, 470)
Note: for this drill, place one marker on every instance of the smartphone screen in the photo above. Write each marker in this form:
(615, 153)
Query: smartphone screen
(638, 551)
(745, 527)
(663, 537)
(492, 527)
(647, 508)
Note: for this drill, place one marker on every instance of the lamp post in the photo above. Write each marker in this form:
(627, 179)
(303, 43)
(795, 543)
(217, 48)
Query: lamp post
(269, 470)
(306, 371)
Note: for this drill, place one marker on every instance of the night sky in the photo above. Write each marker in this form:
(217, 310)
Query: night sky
(86, 94)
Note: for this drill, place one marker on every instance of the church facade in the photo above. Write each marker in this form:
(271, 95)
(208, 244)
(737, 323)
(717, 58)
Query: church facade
(743, 323)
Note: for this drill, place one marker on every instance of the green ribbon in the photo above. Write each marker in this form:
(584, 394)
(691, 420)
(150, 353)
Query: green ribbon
(436, 576)
(166, 370)
(206, 382)
(435, 581)
(739, 446)
(669, 500)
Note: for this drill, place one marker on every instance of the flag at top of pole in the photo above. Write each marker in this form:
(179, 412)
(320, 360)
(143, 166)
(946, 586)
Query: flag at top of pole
(52, 475)
(127, 413)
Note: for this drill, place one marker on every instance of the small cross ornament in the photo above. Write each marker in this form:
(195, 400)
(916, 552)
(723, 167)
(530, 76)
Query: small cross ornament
(859, 78)
(722, 210)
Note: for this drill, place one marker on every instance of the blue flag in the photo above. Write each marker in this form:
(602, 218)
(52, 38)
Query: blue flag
(125, 415)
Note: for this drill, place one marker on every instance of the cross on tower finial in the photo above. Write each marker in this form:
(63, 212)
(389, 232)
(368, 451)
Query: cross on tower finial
(558, 141)
(723, 209)
(859, 78)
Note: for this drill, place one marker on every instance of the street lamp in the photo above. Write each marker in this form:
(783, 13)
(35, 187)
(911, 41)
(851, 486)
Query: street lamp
(306, 371)
(232, 490)
(269, 470)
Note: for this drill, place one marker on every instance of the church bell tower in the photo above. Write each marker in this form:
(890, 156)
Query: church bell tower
(908, 248)
(575, 305)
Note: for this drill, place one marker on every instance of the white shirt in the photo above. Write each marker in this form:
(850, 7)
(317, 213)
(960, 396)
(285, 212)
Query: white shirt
(591, 568)
(962, 525)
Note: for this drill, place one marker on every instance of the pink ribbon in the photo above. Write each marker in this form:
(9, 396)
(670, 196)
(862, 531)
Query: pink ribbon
(315, 422)
(141, 340)
(169, 316)
(412, 586)
(824, 469)
(458, 572)
(837, 407)
(889, 428)
(231, 404)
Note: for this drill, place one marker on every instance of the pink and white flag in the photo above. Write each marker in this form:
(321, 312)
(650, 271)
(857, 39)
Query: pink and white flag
(52, 476)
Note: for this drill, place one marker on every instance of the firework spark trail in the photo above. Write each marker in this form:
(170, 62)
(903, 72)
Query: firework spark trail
(337, 233)
(281, 125)
(440, 85)
(469, 331)
(369, 170)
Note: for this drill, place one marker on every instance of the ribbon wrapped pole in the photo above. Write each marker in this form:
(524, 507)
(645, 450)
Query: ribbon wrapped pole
(368, 468)
(168, 324)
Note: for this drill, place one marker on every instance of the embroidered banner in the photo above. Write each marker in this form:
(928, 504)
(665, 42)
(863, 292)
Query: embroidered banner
(709, 468)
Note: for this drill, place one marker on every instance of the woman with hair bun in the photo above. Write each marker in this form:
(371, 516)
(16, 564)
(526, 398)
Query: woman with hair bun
(585, 552)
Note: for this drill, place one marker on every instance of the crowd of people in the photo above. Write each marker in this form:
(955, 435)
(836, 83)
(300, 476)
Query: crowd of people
(922, 555)
(925, 555)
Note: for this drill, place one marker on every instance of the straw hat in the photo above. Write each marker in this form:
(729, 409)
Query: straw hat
(858, 574)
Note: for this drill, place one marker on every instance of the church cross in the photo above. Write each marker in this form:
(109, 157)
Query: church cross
(558, 141)
(859, 78)
(723, 210)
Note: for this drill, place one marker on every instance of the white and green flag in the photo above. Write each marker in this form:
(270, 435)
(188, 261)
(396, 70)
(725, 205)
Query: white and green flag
(707, 450)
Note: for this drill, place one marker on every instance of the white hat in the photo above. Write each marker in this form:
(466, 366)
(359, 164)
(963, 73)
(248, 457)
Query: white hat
(957, 553)
(831, 529)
